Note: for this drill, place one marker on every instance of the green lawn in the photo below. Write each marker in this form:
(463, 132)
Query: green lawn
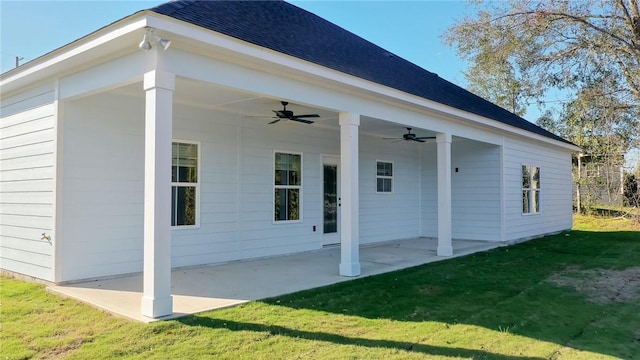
(569, 296)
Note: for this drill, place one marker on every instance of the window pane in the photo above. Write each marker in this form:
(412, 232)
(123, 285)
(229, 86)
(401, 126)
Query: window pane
(384, 169)
(536, 178)
(280, 204)
(294, 178)
(287, 204)
(387, 185)
(330, 199)
(525, 201)
(174, 162)
(287, 169)
(281, 177)
(288, 173)
(183, 205)
(535, 201)
(383, 185)
(184, 159)
(281, 161)
(174, 192)
(293, 205)
(294, 160)
(526, 177)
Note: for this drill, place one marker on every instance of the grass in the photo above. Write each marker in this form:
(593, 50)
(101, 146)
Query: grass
(594, 223)
(529, 301)
(613, 211)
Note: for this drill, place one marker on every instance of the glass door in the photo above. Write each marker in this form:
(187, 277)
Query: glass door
(331, 201)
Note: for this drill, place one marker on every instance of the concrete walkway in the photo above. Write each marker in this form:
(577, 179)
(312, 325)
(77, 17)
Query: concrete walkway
(204, 288)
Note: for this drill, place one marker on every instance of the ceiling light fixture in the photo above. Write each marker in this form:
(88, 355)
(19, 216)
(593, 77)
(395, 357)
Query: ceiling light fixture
(145, 44)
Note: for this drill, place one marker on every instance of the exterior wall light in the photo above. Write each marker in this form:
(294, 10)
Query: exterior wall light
(145, 44)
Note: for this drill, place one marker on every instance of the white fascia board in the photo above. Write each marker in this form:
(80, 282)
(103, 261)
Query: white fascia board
(58, 61)
(265, 58)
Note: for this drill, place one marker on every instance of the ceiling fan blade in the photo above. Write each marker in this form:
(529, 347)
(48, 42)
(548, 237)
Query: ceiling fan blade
(307, 116)
(395, 138)
(426, 137)
(280, 113)
(418, 140)
(274, 121)
(295, 118)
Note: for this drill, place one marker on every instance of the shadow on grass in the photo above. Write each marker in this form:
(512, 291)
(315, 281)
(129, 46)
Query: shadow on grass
(196, 320)
(503, 288)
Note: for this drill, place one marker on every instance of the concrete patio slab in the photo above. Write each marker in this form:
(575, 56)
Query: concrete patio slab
(211, 287)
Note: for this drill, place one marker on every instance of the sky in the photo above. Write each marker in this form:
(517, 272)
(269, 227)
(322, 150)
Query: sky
(410, 29)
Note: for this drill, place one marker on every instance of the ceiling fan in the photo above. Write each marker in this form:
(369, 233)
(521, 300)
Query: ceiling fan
(285, 114)
(409, 136)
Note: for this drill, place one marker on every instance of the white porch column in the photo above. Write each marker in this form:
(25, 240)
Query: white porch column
(350, 191)
(444, 194)
(156, 297)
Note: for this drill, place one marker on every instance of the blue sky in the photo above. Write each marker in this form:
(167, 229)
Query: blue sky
(411, 29)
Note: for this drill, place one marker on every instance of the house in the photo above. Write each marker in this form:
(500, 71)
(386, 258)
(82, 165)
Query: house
(171, 138)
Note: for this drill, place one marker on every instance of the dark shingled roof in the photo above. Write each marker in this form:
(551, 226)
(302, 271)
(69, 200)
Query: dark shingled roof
(290, 30)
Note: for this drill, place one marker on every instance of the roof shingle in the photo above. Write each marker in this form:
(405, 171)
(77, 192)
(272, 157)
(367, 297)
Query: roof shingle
(288, 29)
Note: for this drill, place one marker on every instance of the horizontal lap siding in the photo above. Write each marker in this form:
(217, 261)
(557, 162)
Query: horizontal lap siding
(475, 197)
(475, 190)
(556, 194)
(27, 132)
(429, 189)
(103, 187)
(389, 216)
(237, 188)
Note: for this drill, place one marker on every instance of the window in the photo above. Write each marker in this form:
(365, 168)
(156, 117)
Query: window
(287, 185)
(184, 183)
(530, 189)
(384, 177)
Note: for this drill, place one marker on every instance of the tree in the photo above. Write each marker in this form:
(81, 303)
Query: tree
(520, 50)
(631, 191)
(589, 51)
(604, 134)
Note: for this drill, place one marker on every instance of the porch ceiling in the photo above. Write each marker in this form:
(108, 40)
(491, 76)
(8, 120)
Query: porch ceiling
(201, 94)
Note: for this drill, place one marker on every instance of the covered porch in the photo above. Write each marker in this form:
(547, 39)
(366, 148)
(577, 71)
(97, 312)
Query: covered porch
(223, 108)
(203, 288)
(236, 146)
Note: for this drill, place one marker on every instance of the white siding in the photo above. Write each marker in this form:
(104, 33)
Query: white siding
(396, 215)
(27, 132)
(555, 193)
(103, 187)
(429, 190)
(475, 198)
(104, 170)
(475, 191)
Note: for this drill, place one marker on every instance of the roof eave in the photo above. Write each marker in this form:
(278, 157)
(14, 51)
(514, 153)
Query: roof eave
(123, 33)
(108, 39)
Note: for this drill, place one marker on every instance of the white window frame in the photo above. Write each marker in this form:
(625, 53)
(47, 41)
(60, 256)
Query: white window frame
(530, 190)
(299, 187)
(393, 171)
(196, 184)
